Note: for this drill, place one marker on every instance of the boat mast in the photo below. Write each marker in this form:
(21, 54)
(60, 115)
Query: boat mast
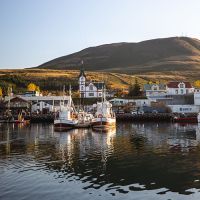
(63, 95)
(70, 98)
(104, 94)
(9, 94)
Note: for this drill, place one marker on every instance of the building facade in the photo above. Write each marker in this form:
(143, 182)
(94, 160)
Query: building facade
(89, 89)
(155, 91)
(179, 88)
(39, 103)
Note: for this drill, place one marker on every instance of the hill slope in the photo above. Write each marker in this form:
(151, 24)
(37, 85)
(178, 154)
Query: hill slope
(158, 55)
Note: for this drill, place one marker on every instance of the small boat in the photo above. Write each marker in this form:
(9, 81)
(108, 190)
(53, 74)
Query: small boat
(104, 118)
(66, 118)
(185, 119)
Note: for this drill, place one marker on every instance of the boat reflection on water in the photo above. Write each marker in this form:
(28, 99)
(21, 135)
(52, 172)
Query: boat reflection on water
(134, 157)
(84, 142)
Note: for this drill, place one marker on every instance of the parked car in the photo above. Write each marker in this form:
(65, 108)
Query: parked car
(137, 112)
(154, 111)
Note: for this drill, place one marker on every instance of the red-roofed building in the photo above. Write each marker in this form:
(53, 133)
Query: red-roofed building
(175, 87)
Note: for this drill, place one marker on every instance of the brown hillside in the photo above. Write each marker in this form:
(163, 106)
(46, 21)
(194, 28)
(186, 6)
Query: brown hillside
(158, 55)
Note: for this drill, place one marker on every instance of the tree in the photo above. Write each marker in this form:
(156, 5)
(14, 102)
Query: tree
(134, 90)
(31, 87)
(197, 83)
(1, 92)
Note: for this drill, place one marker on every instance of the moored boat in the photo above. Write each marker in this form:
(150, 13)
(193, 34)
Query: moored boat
(66, 118)
(104, 118)
(185, 119)
(84, 119)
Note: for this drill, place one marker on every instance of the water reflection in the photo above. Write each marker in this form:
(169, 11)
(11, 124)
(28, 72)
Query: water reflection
(134, 157)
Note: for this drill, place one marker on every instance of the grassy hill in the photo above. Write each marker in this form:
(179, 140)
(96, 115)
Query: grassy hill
(53, 80)
(168, 55)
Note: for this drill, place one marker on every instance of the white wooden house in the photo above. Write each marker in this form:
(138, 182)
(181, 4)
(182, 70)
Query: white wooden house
(180, 88)
(89, 89)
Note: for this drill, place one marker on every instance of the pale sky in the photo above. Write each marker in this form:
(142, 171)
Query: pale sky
(35, 31)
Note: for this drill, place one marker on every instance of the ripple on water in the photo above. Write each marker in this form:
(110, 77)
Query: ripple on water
(137, 159)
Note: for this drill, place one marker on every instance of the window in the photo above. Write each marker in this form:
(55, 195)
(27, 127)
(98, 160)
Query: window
(181, 91)
(181, 85)
(154, 87)
(176, 91)
(100, 94)
(82, 87)
(91, 94)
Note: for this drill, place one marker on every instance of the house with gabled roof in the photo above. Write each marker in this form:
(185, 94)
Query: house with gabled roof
(179, 88)
(89, 89)
(154, 89)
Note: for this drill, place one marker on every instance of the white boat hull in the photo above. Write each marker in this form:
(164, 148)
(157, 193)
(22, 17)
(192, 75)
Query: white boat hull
(103, 123)
(62, 125)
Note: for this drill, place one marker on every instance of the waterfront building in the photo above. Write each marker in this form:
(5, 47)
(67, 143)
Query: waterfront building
(184, 108)
(179, 88)
(154, 91)
(89, 89)
(180, 103)
(197, 97)
(178, 96)
(136, 102)
(31, 94)
(17, 105)
(43, 103)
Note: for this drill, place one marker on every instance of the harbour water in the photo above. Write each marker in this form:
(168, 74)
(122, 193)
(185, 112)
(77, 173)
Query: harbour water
(135, 161)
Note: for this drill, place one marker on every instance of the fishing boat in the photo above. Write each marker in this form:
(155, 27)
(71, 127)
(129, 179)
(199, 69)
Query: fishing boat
(84, 119)
(104, 118)
(186, 119)
(66, 118)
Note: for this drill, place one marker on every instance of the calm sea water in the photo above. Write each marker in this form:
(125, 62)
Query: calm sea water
(135, 161)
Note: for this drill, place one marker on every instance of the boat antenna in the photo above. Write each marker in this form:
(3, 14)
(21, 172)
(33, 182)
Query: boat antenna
(70, 90)
(63, 90)
(104, 92)
(63, 95)
(70, 95)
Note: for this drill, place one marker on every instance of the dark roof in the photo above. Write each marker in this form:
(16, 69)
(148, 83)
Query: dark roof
(99, 85)
(18, 99)
(82, 73)
(174, 84)
(149, 86)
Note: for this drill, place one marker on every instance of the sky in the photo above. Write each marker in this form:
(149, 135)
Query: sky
(35, 31)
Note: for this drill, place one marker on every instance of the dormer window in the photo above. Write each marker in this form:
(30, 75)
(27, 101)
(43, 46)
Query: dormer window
(181, 85)
(154, 87)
